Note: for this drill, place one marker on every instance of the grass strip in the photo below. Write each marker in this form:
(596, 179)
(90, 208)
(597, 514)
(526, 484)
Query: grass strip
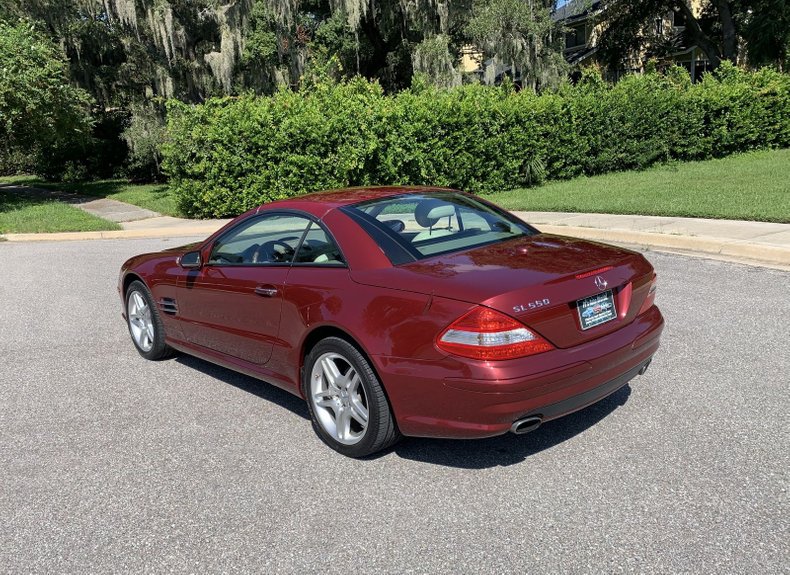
(23, 213)
(751, 186)
(155, 197)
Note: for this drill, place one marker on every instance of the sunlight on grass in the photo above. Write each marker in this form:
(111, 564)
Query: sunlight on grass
(23, 214)
(753, 186)
(156, 197)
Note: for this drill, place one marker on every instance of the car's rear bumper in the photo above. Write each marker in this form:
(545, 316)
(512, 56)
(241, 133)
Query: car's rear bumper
(468, 399)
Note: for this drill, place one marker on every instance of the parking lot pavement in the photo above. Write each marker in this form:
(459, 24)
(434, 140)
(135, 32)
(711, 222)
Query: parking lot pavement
(112, 463)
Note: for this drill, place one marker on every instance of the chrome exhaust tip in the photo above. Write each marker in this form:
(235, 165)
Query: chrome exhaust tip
(644, 367)
(526, 425)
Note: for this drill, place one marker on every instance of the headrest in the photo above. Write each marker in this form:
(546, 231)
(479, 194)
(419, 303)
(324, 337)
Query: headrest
(429, 212)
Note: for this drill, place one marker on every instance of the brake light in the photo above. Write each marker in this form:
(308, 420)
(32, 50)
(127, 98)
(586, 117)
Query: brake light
(490, 335)
(651, 297)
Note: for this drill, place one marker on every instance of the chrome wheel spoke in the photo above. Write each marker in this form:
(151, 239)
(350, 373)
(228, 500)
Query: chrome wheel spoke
(331, 373)
(359, 411)
(324, 398)
(343, 423)
(353, 382)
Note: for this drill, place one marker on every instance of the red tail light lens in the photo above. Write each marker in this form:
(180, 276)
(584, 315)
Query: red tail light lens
(489, 335)
(651, 297)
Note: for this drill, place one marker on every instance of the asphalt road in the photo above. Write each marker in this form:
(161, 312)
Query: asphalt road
(110, 463)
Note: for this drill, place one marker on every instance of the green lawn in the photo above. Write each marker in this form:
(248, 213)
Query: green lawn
(752, 186)
(25, 214)
(156, 197)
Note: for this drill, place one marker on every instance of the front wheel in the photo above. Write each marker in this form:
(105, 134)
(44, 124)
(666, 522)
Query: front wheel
(145, 325)
(347, 404)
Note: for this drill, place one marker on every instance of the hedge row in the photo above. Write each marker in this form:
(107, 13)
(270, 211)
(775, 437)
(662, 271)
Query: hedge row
(230, 154)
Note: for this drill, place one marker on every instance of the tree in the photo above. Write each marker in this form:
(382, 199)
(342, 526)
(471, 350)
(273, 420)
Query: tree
(41, 113)
(766, 29)
(627, 28)
(522, 34)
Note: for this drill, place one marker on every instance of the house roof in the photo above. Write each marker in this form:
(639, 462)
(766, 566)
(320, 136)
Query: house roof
(574, 10)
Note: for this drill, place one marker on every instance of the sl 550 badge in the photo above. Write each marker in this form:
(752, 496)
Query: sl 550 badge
(537, 304)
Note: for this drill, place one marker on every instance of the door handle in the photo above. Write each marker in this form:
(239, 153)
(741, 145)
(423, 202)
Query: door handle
(266, 291)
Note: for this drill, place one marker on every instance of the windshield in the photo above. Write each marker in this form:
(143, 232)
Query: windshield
(416, 226)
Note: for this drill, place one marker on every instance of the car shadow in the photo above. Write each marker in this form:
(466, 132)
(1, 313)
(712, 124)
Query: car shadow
(249, 384)
(501, 451)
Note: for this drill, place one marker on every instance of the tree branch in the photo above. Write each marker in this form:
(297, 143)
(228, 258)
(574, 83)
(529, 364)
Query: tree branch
(695, 32)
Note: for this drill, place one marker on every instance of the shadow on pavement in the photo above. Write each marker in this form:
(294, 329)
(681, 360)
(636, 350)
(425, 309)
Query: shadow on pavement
(249, 384)
(509, 449)
(498, 451)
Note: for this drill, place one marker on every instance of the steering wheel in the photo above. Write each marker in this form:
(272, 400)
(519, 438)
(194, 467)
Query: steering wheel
(269, 251)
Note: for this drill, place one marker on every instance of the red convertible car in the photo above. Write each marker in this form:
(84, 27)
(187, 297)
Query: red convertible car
(402, 311)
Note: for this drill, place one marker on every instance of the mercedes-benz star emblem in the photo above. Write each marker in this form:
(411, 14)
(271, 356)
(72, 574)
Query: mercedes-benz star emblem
(600, 283)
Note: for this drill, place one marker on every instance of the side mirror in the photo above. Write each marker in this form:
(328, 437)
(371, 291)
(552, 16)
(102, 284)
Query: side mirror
(190, 261)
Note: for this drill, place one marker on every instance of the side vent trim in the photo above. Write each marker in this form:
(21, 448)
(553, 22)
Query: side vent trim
(168, 306)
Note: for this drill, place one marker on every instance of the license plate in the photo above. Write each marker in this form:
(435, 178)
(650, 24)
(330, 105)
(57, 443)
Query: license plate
(596, 309)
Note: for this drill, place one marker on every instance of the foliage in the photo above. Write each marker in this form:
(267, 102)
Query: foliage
(722, 29)
(522, 35)
(432, 59)
(144, 136)
(42, 117)
(228, 155)
(766, 29)
(629, 27)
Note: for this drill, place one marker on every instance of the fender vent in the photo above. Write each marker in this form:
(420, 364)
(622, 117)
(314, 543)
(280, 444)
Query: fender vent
(168, 305)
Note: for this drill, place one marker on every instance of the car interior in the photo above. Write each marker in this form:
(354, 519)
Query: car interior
(260, 244)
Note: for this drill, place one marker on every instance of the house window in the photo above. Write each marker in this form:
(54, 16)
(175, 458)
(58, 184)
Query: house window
(659, 26)
(570, 39)
(678, 19)
(574, 38)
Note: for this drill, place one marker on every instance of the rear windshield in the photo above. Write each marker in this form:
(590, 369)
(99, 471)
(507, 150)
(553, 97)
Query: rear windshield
(411, 227)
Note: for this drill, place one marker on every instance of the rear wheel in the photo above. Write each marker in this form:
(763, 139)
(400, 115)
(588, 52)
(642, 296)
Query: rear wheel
(145, 325)
(347, 404)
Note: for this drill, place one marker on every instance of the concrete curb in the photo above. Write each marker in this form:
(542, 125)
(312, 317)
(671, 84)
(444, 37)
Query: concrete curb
(174, 232)
(736, 249)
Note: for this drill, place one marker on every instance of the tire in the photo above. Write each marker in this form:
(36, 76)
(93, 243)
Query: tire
(348, 407)
(144, 323)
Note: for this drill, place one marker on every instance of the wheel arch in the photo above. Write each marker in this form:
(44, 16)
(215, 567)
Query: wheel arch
(322, 332)
(127, 281)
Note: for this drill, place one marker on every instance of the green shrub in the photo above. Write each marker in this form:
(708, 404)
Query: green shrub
(230, 154)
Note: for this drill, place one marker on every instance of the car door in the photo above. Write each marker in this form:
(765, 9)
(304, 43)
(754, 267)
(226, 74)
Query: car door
(232, 303)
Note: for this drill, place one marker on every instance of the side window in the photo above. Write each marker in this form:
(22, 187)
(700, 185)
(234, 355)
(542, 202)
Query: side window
(318, 248)
(263, 240)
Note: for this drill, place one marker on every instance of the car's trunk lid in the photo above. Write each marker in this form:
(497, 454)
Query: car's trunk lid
(537, 279)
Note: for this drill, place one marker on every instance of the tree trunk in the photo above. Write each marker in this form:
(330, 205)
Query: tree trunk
(728, 33)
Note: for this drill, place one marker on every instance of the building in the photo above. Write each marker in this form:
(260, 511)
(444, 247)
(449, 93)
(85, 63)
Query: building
(580, 19)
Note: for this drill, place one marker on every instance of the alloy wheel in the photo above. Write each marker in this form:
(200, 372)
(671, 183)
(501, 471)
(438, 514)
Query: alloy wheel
(141, 324)
(338, 398)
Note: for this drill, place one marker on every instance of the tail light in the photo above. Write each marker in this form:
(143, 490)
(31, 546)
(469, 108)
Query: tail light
(651, 297)
(489, 335)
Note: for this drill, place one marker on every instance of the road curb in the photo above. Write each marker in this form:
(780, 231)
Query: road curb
(151, 233)
(738, 249)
